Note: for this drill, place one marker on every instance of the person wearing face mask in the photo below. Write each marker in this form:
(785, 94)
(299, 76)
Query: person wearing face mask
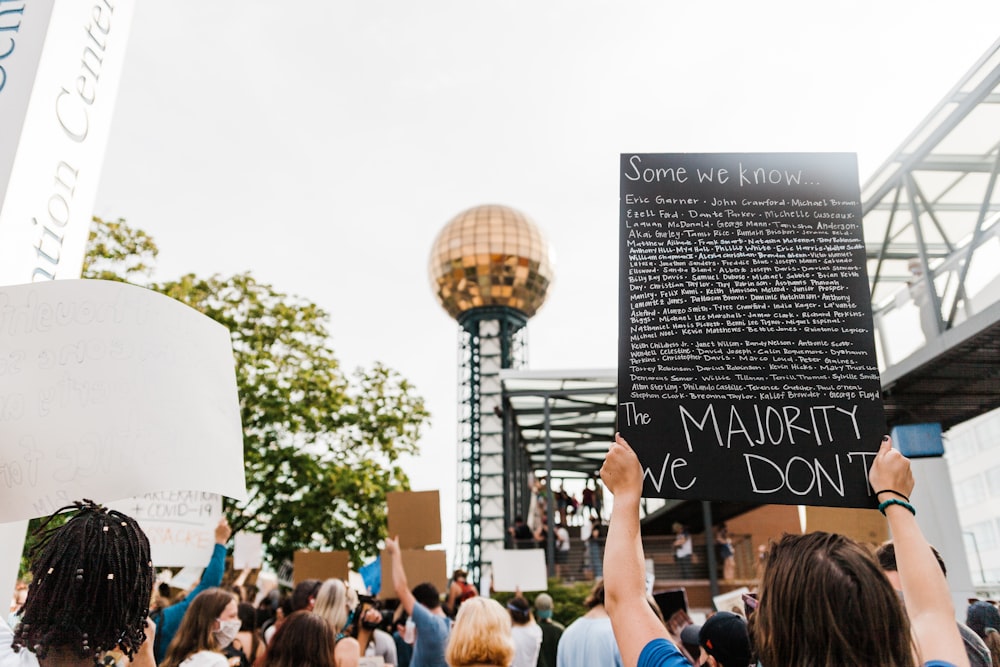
(551, 630)
(208, 627)
(169, 618)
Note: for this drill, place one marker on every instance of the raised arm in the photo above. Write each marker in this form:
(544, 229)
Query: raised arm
(925, 591)
(170, 619)
(399, 582)
(633, 621)
(212, 576)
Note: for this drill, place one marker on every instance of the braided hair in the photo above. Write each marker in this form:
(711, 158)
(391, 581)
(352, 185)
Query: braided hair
(90, 587)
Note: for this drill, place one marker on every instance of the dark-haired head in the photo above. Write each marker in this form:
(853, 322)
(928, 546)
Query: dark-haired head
(248, 617)
(91, 583)
(596, 596)
(886, 556)
(520, 610)
(824, 601)
(304, 594)
(427, 594)
(304, 639)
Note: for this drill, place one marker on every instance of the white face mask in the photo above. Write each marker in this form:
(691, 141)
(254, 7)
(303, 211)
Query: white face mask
(227, 632)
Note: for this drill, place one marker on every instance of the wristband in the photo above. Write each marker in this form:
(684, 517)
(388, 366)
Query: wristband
(893, 501)
(901, 495)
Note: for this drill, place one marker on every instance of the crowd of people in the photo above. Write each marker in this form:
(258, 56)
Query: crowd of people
(823, 599)
(584, 516)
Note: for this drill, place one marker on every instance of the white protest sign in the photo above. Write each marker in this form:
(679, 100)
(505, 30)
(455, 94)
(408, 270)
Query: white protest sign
(187, 578)
(109, 390)
(727, 601)
(519, 568)
(248, 550)
(180, 525)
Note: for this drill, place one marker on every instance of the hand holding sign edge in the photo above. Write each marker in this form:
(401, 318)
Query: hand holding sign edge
(622, 472)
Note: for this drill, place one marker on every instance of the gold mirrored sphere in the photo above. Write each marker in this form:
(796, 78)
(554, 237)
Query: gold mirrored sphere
(490, 256)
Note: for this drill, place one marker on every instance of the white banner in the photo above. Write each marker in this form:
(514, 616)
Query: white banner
(60, 64)
(519, 568)
(108, 391)
(180, 525)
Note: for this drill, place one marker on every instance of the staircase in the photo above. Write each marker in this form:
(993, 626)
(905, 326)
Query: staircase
(667, 573)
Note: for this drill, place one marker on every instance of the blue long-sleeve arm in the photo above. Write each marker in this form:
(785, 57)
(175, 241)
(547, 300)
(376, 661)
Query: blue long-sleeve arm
(171, 617)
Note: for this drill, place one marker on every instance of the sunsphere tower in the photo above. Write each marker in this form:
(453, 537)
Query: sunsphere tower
(490, 269)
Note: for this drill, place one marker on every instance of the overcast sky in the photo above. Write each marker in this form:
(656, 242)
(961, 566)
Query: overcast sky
(322, 145)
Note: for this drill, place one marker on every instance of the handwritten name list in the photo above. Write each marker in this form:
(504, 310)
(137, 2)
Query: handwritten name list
(747, 366)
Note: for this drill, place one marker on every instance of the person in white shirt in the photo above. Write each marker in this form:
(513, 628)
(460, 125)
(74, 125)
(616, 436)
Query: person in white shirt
(526, 633)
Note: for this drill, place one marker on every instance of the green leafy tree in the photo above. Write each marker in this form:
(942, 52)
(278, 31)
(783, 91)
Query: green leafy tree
(321, 448)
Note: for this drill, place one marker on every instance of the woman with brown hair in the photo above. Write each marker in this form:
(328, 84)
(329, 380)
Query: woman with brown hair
(305, 639)
(480, 635)
(823, 600)
(813, 586)
(209, 626)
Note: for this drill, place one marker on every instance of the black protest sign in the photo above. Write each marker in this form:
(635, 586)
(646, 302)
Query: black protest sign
(747, 368)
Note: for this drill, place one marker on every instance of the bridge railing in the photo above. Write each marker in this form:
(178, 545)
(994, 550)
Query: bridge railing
(966, 282)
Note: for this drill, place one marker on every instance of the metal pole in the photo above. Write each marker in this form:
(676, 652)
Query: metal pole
(550, 538)
(713, 569)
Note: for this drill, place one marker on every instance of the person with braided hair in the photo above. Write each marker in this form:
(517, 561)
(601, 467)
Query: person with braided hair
(89, 595)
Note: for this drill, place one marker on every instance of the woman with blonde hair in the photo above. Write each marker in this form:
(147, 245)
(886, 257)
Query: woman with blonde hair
(334, 604)
(209, 626)
(481, 635)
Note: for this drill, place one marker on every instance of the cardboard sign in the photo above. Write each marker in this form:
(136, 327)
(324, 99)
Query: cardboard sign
(108, 391)
(248, 550)
(180, 525)
(320, 565)
(747, 368)
(415, 518)
(420, 566)
(519, 568)
(861, 525)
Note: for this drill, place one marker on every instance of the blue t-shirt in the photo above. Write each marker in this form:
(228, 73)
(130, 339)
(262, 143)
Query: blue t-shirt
(661, 653)
(432, 637)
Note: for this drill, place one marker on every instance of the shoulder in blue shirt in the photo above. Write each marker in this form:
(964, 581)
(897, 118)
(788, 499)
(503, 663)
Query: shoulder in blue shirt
(662, 653)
